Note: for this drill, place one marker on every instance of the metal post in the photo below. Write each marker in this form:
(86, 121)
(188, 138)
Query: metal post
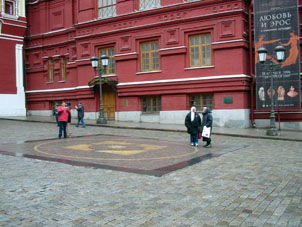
(101, 119)
(262, 53)
(272, 131)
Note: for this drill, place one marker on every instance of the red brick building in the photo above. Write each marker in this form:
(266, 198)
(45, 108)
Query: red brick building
(165, 55)
(12, 30)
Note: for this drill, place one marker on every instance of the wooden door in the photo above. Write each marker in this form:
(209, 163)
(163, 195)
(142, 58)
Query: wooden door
(109, 104)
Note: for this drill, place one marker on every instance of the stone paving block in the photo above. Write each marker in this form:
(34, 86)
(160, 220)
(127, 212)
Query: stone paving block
(239, 218)
(252, 218)
(235, 223)
(273, 220)
(280, 210)
(268, 225)
(247, 224)
(261, 220)
(282, 222)
(294, 223)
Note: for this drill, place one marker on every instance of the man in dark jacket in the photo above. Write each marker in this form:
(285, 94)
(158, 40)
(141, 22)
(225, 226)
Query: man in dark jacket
(80, 110)
(207, 120)
(57, 114)
(68, 129)
(192, 122)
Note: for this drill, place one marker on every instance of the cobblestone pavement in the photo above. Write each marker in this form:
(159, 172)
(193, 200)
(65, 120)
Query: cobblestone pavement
(259, 185)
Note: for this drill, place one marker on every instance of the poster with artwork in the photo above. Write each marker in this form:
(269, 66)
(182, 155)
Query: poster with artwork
(277, 23)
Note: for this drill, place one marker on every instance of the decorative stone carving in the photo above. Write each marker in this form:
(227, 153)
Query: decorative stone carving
(126, 43)
(85, 49)
(227, 28)
(172, 16)
(172, 36)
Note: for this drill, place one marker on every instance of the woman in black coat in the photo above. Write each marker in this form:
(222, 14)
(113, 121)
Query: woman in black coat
(193, 122)
(207, 120)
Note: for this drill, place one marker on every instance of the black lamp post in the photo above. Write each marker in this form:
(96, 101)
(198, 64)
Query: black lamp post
(272, 131)
(94, 63)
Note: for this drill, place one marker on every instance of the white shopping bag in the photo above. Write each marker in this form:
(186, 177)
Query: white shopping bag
(206, 132)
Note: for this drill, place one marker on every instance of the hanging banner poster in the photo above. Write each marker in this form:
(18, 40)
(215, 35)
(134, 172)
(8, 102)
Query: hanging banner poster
(277, 23)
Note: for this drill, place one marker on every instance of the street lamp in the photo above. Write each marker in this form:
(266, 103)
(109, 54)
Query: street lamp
(94, 63)
(272, 131)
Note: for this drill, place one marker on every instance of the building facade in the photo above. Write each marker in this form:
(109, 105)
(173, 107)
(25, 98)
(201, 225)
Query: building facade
(165, 56)
(12, 30)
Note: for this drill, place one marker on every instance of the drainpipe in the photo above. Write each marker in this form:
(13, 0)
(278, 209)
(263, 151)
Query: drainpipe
(252, 117)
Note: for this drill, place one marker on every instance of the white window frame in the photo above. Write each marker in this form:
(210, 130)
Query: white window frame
(191, 0)
(148, 4)
(14, 8)
(107, 8)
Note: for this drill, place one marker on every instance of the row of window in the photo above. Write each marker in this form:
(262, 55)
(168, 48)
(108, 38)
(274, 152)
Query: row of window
(107, 8)
(199, 53)
(199, 48)
(152, 104)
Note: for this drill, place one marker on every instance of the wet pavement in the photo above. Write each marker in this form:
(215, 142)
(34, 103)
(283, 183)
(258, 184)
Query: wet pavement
(257, 184)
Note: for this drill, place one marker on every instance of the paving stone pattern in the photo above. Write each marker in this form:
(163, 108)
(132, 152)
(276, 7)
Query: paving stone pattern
(259, 185)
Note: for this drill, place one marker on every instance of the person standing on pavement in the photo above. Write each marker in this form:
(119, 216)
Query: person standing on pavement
(207, 120)
(193, 122)
(69, 120)
(63, 111)
(80, 110)
(57, 114)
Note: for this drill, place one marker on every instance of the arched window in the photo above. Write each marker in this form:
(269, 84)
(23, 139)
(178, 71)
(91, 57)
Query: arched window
(9, 7)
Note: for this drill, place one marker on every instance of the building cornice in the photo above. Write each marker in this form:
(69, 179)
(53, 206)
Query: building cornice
(11, 37)
(57, 89)
(147, 82)
(151, 25)
(184, 80)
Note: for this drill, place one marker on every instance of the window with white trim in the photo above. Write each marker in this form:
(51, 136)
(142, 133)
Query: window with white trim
(149, 4)
(191, 0)
(107, 8)
(9, 7)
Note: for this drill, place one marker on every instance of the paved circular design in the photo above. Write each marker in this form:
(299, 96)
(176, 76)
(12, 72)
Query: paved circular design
(113, 148)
